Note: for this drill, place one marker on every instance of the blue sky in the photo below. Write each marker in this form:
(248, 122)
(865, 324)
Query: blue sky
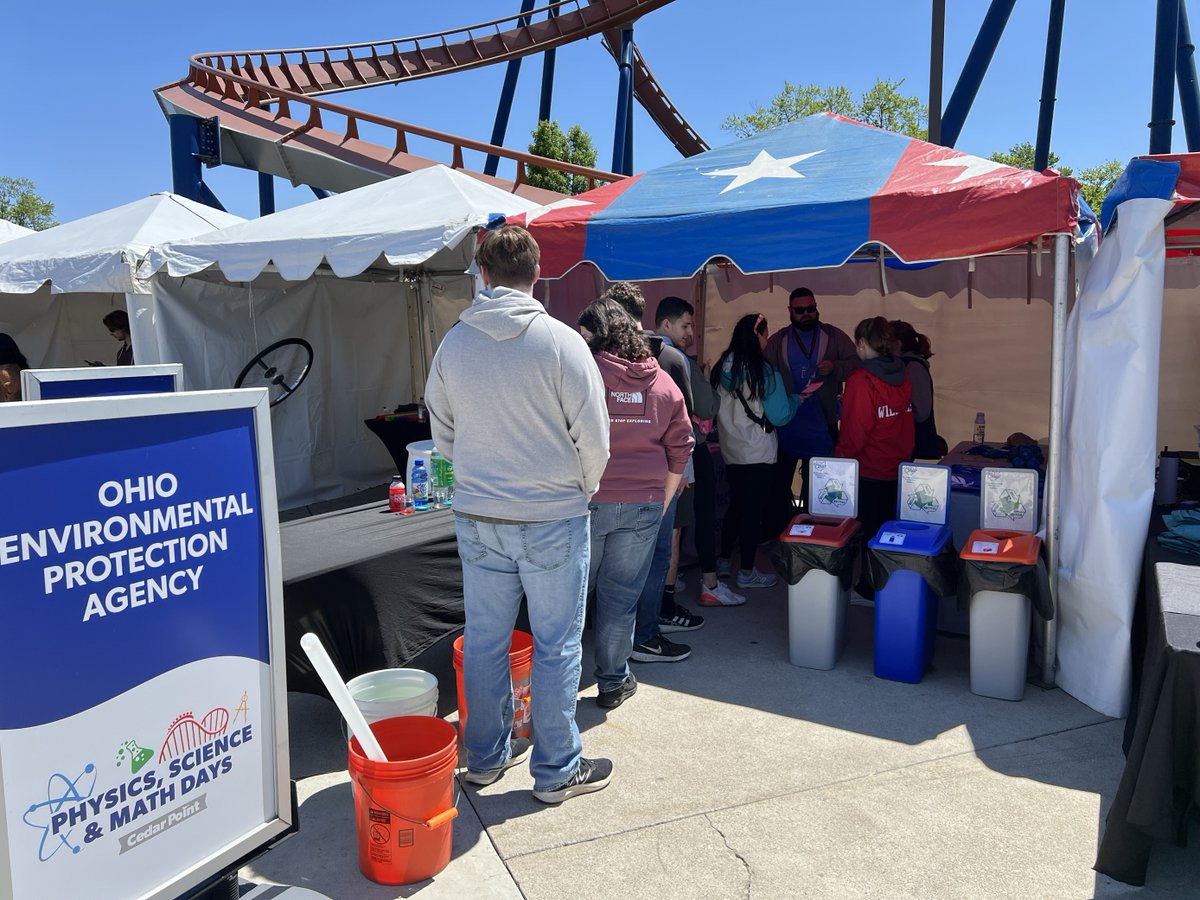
(76, 79)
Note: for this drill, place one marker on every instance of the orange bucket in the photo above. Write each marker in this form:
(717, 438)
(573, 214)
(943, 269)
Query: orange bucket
(520, 659)
(404, 808)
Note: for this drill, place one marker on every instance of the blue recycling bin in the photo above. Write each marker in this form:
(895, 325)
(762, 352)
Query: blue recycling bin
(906, 608)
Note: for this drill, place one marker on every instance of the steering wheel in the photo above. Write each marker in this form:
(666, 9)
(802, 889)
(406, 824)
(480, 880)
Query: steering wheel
(275, 375)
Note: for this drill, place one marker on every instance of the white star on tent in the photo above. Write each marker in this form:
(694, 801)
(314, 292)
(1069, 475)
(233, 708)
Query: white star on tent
(972, 166)
(763, 166)
(565, 203)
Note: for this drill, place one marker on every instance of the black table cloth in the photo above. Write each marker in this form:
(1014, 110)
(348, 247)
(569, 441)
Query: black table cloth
(376, 588)
(1161, 781)
(397, 434)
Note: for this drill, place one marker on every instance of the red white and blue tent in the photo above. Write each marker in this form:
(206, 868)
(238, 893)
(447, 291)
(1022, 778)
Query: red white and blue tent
(808, 194)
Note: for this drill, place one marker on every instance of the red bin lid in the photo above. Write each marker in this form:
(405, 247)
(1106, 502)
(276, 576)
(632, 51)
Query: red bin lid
(823, 530)
(990, 545)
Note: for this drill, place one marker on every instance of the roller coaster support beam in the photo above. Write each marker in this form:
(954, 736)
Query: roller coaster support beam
(974, 69)
(320, 193)
(1162, 97)
(937, 54)
(192, 142)
(1041, 154)
(506, 98)
(547, 79)
(266, 194)
(622, 134)
(1189, 94)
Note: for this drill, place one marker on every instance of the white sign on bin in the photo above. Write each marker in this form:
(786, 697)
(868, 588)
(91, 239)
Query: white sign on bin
(833, 487)
(924, 494)
(1009, 499)
(801, 531)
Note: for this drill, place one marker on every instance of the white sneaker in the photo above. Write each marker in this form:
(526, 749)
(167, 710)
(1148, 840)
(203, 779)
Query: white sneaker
(755, 579)
(721, 595)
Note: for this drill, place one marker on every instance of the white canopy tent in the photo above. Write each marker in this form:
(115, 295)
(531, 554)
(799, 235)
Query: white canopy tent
(371, 279)
(9, 231)
(57, 285)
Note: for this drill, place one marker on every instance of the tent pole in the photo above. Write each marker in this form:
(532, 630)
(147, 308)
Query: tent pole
(1054, 465)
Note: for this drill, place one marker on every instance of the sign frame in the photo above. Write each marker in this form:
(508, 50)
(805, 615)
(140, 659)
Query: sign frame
(206, 863)
(33, 380)
(932, 479)
(848, 471)
(995, 480)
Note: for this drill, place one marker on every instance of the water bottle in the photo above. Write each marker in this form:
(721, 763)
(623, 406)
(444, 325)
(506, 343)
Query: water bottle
(979, 423)
(448, 480)
(420, 486)
(397, 498)
(437, 480)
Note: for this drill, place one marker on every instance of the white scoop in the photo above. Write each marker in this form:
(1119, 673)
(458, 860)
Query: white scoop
(341, 696)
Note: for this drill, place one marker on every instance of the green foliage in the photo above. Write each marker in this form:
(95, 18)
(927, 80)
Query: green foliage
(882, 105)
(21, 205)
(1097, 181)
(574, 147)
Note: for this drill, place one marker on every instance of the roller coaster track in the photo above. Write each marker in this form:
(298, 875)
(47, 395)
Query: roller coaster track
(273, 120)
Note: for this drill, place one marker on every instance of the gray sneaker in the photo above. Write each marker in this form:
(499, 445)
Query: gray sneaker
(592, 775)
(520, 750)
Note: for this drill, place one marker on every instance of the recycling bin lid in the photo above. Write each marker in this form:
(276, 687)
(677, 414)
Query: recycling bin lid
(993, 545)
(919, 538)
(828, 531)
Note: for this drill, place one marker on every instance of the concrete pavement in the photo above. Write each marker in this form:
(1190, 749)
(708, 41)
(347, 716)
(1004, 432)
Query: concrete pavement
(739, 775)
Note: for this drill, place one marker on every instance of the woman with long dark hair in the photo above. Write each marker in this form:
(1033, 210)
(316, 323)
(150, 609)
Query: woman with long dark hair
(753, 403)
(914, 351)
(650, 441)
(877, 423)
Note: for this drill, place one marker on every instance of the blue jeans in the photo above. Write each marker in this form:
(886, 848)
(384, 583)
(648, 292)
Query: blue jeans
(622, 545)
(650, 602)
(548, 562)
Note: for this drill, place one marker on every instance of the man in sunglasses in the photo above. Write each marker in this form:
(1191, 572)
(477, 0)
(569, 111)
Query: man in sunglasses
(815, 359)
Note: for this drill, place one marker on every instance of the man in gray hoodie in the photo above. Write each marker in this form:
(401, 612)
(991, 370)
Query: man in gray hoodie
(517, 403)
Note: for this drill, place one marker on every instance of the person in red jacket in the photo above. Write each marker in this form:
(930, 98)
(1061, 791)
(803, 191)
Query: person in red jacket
(877, 423)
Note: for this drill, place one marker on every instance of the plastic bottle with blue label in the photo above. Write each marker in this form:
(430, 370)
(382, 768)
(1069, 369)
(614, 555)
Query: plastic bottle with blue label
(420, 486)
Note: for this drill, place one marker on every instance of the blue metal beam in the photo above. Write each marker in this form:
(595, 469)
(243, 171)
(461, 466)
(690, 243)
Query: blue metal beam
(187, 174)
(974, 69)
(621, 142)
(1054, 33)
(1185, 73)
(266, 194)
(320, 193)
(547, 79)
(1162, 99)
(500, 128)
(937, 54)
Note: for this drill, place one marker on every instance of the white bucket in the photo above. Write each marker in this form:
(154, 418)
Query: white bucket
(419, 450)
(395, 692)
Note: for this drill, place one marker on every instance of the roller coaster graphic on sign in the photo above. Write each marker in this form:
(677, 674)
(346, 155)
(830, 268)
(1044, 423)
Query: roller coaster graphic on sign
(187, 734)
(272, 120)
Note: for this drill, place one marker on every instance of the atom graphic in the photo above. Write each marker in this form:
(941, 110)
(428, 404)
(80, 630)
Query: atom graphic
(45, 810)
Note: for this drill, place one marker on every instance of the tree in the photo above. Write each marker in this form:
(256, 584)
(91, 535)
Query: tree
(1021, 156)
(21, 205)
(574, 147)
(882, 105)
(1097, 181)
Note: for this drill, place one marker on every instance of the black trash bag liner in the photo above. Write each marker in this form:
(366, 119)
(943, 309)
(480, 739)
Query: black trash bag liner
(793, 559)
(939, 571)
(1017, 578)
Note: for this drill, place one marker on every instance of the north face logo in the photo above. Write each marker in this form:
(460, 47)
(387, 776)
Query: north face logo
(627, 396)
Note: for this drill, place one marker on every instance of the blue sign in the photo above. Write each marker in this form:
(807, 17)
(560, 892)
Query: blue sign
(143, 723)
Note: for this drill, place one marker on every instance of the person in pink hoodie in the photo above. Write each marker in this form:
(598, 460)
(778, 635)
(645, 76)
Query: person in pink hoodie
(650, 440)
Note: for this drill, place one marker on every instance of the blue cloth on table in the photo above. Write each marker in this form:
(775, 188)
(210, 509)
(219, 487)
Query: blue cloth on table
(1183, 532)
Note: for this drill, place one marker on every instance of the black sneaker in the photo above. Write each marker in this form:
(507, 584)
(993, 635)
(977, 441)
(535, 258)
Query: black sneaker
(592, 775)
(520, 750)
(659, 649)
(618, 695)
(683, 619)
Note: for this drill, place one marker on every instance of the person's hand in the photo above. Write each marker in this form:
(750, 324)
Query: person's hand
(825, 366)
